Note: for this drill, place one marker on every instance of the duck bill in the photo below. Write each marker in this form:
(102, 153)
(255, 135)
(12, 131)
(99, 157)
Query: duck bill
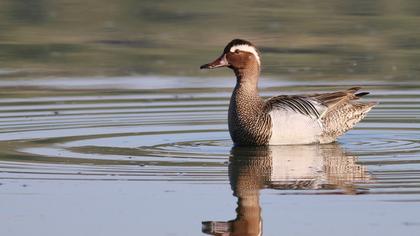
(219, 62)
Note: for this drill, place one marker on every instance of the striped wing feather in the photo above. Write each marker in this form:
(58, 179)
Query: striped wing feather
(300, 104)
(337, 111)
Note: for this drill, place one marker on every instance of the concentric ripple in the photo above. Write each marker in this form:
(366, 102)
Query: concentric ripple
(175, 131)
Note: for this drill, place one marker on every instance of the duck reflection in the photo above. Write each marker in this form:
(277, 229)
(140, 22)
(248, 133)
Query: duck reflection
(297, 168)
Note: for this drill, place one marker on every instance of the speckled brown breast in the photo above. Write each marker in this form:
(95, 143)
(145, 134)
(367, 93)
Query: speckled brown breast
(249, 124)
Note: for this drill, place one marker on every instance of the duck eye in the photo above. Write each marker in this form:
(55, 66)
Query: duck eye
(237, 51)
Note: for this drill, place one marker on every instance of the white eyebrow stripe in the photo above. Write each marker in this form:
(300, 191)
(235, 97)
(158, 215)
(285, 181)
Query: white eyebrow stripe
(247, 48)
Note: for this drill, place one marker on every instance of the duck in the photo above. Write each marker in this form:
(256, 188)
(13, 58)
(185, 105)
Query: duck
(317, 168)
(284, 119)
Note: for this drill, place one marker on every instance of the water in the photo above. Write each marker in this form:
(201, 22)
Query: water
(108, 127)
(91, 149)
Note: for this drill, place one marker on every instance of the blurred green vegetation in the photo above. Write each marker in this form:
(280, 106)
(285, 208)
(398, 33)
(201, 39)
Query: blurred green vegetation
(301, 39)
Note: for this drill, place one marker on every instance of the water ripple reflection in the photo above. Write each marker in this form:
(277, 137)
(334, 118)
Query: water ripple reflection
(297, 169)
(64, 131)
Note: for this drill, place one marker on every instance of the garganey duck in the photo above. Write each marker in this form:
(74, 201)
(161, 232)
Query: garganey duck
(293, 167)
(284, 119)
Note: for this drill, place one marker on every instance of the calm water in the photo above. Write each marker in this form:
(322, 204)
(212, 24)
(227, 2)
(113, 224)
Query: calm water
(131, 154)
(108, 127)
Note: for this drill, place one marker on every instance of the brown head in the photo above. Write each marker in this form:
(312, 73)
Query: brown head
(239, 54)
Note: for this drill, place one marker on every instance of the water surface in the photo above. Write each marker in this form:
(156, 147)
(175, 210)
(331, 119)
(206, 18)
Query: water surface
(108, 127)
(154, 150)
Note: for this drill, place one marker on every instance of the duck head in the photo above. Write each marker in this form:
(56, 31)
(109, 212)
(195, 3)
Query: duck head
(239, 54)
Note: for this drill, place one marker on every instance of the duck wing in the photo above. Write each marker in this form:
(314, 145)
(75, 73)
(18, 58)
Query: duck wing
(334, 113)
(302, 104)
(314, 105)
(294, 119)
(335, 99)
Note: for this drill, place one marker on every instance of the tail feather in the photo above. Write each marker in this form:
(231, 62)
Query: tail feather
(343, 118)
(343, 111)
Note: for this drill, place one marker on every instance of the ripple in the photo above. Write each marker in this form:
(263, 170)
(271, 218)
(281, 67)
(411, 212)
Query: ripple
(180, 133)
(383, 143)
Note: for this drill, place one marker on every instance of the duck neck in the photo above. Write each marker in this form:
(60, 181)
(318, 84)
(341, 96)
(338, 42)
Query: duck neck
(245, 103)
(246, 89)
(247, 78)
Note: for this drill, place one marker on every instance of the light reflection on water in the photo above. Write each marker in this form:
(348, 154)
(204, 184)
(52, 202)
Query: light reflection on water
(109, 94)
(179, 134)
(300, 169)
(177, 127)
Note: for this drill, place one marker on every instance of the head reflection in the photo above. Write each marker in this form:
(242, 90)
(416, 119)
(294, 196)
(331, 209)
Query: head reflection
(307, 169)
